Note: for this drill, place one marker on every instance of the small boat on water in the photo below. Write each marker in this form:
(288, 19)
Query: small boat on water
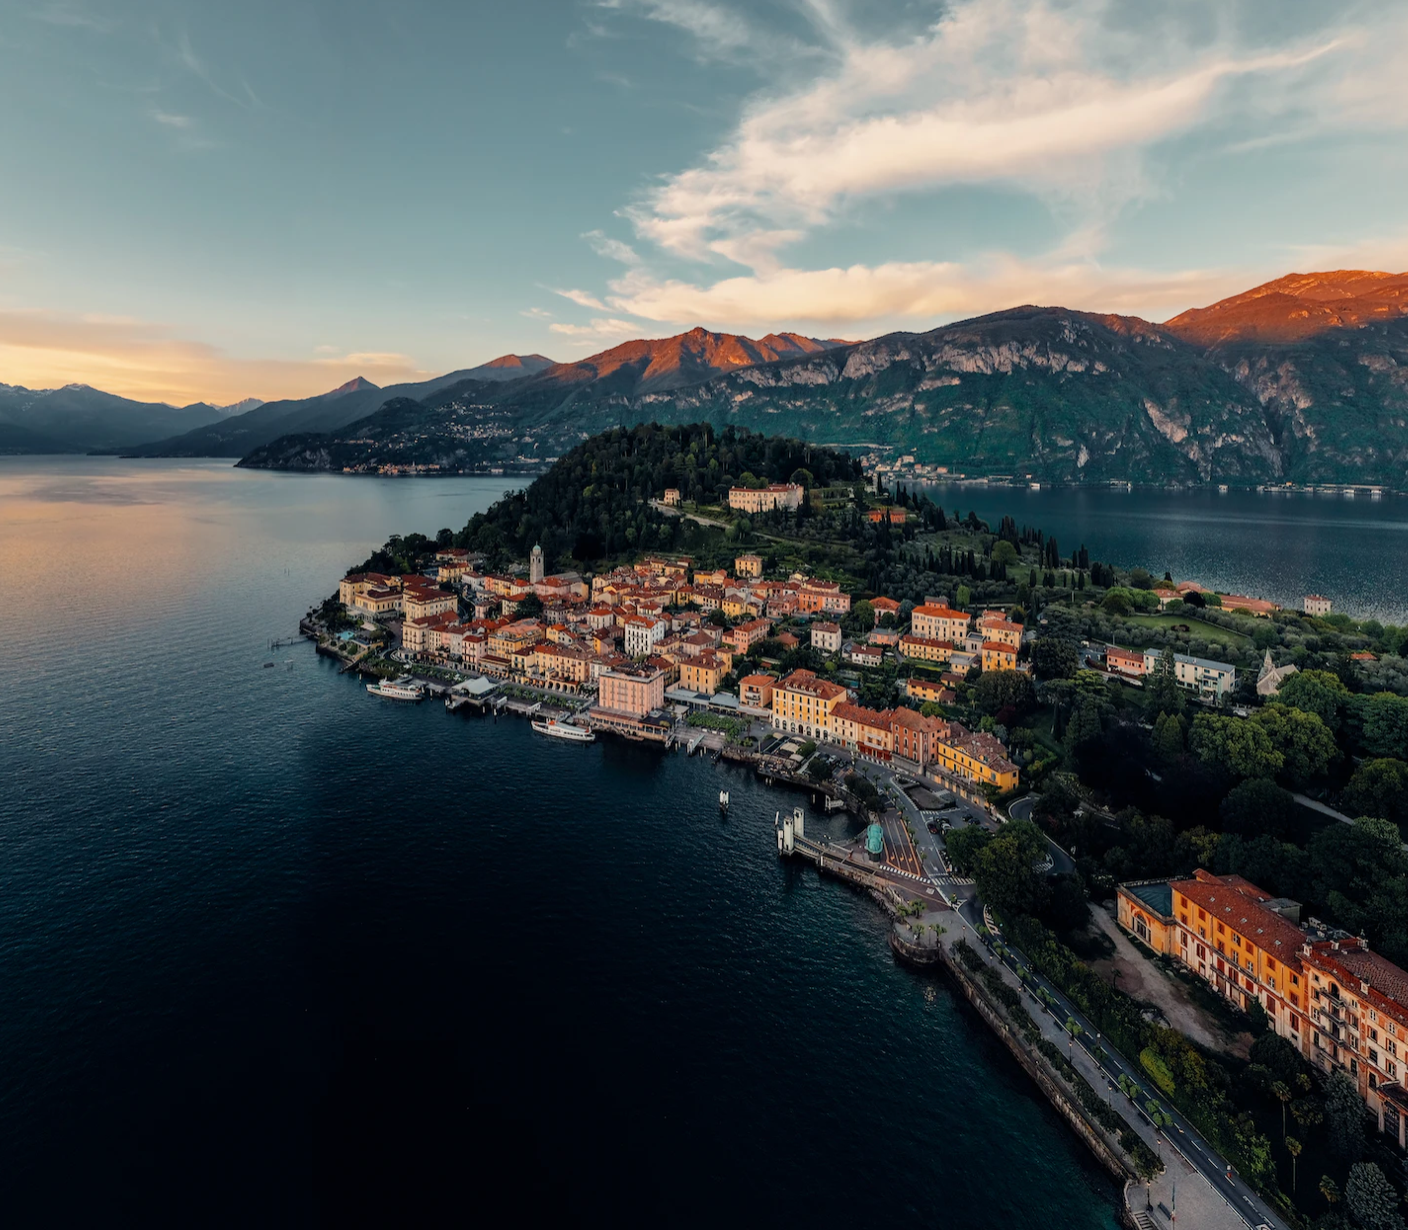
(564, 730)
(723, 800)
(404, 688)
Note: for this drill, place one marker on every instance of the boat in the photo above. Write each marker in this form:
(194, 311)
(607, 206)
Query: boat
(723, 800)
(404, 688)
(564, 730)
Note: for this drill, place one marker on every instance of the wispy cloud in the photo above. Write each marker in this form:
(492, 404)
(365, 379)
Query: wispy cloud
(1065, 101)
(536, 313)
(74, 16)
(1011, 92)
(167, 119)
(240, 94)
(715, 29)
(612, 249)
(601, 329)
(582, 299)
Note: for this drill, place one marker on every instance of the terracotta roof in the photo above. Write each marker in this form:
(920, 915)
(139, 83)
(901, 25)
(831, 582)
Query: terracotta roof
(940, 612)
(1239, 904)
(1353, 965)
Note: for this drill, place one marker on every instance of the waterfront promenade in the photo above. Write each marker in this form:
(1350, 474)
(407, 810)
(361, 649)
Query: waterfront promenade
(1195, 1179)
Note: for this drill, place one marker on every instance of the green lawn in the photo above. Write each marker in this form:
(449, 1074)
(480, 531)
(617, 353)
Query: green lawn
(1206, 631)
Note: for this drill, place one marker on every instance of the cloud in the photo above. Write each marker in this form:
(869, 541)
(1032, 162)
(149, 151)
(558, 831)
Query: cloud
(1010, 92)
(73, 16)
(148, 361)
(582, 299)
(612, 249)
(917, 294)
(601, 329)
(172, 121)
(717, 31)
(1065, 101)
(536, 314)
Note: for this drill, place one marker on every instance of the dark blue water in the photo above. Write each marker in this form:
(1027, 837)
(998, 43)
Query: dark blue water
(276, 953)
(1280, 547)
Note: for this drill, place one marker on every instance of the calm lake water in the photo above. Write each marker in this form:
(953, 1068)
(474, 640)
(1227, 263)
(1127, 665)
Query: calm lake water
(1281, 547)
(260, 932)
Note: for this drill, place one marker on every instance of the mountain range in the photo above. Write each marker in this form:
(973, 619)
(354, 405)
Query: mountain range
(1303, 379)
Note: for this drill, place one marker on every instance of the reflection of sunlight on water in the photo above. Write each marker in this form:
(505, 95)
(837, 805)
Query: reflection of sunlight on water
(90, 546)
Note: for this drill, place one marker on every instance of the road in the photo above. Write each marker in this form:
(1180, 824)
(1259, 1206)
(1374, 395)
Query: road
(1181, 1137)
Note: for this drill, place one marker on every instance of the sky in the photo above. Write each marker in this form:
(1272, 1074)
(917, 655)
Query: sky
(204, 201)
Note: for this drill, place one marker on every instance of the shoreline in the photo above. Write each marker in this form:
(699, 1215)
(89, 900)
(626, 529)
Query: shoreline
(894, 896)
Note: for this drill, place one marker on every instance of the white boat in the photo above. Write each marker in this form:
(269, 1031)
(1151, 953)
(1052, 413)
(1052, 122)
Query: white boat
(404, 688)
(564, 730)
(723, 800)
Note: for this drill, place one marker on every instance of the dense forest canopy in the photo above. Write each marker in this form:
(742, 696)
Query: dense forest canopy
(594, 503)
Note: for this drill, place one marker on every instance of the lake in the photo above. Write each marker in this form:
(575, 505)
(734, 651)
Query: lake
(1281, 547)
(266, 938)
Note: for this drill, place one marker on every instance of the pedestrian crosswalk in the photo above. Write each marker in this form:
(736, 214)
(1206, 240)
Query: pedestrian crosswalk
(949, 881)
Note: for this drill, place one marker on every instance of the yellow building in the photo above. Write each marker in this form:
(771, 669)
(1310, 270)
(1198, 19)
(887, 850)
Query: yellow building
(925, 649)
(1004, 630)
(802, 704)
(999, 657)
(1145, 910)
(939, 623)
(765, 499)
(975, 757)
(702, 674)
(924, 689)
(748, 566)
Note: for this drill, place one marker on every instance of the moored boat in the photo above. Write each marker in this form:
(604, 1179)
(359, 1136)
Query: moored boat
(404, 688)
(563, 730)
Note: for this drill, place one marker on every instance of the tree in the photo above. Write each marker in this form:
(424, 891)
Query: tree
(1386, 725)
(1054, 658)
(963, 845)
(862, 615)
(963, 597)
(999, 690)
(1240, 747)
(1282, 1093)
(1304, 741)
(1003, 552)
(1116, 603)
(1329, 1190)
(1258, 806)
(1371, 1198)
(1170, 731)
(530, 607)
(1319, 692)
(1004, 870)
(1345, 1117)
(1084, 724)
(1162, 690)
(1293, 1147)
(1379, 788)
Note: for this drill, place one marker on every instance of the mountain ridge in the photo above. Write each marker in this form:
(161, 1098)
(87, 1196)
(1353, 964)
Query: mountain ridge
(1303, 378)
(1042, 392)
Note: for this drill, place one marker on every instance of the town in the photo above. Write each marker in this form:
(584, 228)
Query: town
(989, 744)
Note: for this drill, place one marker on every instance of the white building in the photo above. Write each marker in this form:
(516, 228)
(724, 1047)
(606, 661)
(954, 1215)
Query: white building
(535, 566)
(1201, 675)
(826, 637)
(1314, 604)
(643, 634)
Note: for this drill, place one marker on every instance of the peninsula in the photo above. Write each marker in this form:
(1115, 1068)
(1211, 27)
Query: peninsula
(1033, 740)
